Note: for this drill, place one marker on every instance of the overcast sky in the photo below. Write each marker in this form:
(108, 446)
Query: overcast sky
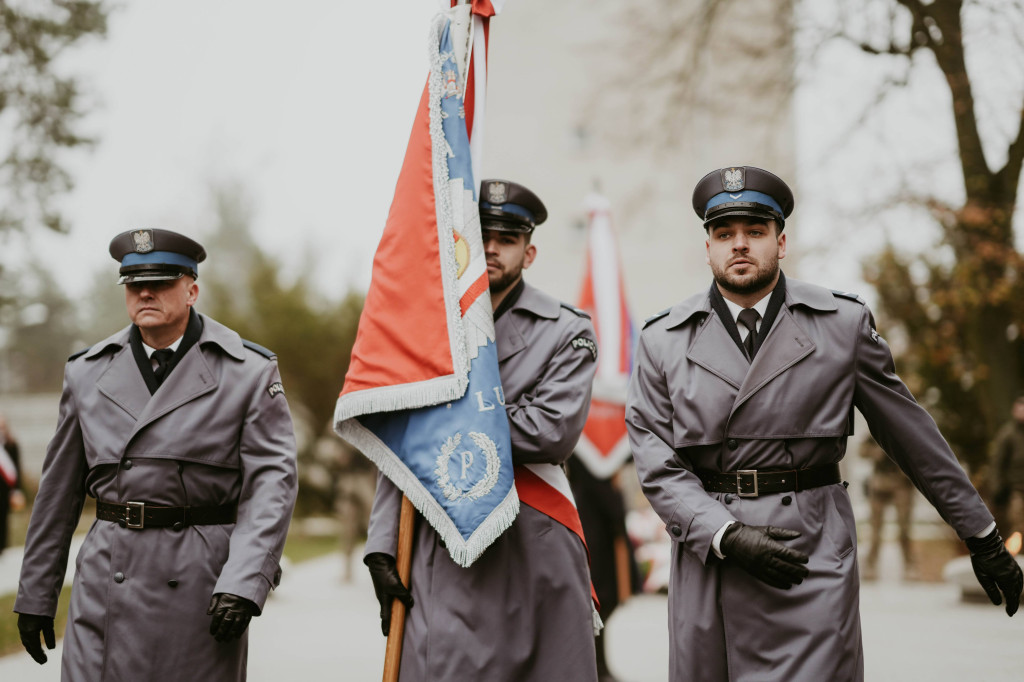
(308, 104)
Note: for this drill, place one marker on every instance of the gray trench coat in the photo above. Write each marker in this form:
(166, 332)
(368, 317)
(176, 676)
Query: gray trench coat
(695, 402)
(218, 430)
(523, 611)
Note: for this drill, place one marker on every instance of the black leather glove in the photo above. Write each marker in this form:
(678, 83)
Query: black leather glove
(231, 616)
(997, 571)
(30, 627)
(387, 585)
(757, 550)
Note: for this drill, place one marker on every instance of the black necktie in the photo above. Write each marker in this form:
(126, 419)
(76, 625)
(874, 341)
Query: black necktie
(748, 317)
(163, 361)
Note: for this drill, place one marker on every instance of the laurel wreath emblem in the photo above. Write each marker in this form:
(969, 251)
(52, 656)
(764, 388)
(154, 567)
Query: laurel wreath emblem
(453, 492)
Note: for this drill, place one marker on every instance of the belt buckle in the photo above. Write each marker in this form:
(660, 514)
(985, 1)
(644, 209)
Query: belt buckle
(739, 482)
(141, 508)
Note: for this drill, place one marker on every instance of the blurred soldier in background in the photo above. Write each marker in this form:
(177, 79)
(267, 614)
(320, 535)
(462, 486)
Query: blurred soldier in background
(887, 486)
(1007, 467)
(603, 515)
(181, 432)
(11, 495)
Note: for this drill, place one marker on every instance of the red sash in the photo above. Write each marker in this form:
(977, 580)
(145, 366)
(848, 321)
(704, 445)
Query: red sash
(537, 493)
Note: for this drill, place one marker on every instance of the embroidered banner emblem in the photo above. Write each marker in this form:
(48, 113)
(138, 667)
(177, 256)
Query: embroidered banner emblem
(275, 388)
(464, 466)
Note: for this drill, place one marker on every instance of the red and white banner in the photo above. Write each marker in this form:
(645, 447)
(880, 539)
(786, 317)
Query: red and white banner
(421, 392)
(604, 445)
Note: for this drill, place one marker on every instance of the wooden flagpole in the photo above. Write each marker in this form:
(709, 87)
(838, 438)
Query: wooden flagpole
(623, 580)
(393, 652)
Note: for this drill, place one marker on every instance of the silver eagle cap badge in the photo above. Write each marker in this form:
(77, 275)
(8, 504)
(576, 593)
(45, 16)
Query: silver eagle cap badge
(143, 240)
(497, 192)
(733, 179)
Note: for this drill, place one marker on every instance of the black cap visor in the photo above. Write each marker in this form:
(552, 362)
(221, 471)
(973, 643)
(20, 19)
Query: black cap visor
(149, 273)
(503, 223)
(744, 208)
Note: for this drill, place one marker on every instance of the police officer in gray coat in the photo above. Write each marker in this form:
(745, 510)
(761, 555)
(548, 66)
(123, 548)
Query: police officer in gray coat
(181, 432)
(738, 413)
(523, 611)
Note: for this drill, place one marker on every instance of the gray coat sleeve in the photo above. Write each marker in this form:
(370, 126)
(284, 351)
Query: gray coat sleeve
(910, 436)
(546, 422)
(676, 494)
(55, 514)
(269, 487)
(382, 534)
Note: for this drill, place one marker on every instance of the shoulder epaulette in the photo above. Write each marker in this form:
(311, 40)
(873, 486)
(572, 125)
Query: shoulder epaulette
(265, 352)
(78, 354)
(848, 295)
(657, 316)
(578, 311)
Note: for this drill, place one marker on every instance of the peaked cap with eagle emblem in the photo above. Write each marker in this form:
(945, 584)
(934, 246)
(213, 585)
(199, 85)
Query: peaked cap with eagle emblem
(742, 191)
(509, 207)
(148, 255)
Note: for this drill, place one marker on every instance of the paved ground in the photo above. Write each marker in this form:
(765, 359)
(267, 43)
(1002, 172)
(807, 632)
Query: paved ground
(317, 627)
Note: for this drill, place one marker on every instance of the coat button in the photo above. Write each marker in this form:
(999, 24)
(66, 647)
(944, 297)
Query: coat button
(122, 523)
(181, 467)
(172, 583)
(676, 531)
(787, 500)
(127, 464)
(119, 577)
(732, 444)
(178, 525)
(728, 499)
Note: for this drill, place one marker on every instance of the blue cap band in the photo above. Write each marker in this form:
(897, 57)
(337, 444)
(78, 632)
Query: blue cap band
(159, 258)
(748, 195)
(514, 209)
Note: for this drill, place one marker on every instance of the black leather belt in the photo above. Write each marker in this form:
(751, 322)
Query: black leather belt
(138, 515)
(751, 482)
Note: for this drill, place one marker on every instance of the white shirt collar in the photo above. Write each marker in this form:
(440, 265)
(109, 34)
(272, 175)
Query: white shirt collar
(174, 346)
(761, 306)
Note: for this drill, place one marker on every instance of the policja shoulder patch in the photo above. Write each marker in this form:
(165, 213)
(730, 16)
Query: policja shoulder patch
(587, 344)
(275, 388)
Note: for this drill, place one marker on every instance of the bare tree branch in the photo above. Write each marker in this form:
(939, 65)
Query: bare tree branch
(1008, 177)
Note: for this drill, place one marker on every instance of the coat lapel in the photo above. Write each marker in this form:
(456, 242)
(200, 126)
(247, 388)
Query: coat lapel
(123, 384)
(785, 345)
(190, 379)
(714, 350)
(510, 339)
